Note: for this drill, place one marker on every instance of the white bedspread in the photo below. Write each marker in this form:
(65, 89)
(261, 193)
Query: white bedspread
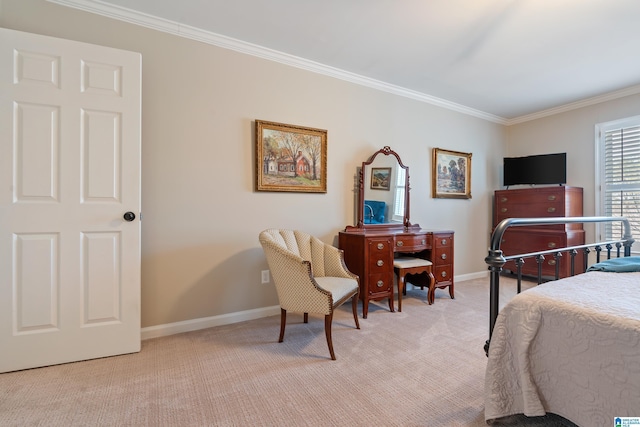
(570, 347)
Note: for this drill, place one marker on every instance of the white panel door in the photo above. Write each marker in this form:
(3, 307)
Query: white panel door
(69, 172)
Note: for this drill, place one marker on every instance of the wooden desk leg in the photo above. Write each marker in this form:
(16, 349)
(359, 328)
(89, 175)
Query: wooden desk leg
(391, 305)
(431, 294)
(400, 290)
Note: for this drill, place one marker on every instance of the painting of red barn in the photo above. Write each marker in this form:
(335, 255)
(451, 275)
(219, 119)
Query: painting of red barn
(290, 158)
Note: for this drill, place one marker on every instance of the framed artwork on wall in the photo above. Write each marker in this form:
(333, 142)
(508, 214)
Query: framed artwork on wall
(451, 175)
(290, 158)
(380, 178)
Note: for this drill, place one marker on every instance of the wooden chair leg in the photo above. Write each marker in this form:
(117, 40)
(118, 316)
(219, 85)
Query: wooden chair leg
(306, 318)
(327, 330)
(401, 289)
(283, 321)
(354, 306)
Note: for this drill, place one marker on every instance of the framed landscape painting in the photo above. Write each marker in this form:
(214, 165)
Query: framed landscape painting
(380, 178)
(290, 158)
(451, 175)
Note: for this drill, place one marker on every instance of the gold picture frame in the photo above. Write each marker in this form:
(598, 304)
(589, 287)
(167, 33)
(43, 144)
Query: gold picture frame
(451, 174)
(290, 158)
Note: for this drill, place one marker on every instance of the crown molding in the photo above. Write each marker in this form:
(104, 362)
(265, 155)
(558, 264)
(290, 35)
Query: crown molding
(134, 17)
(632, 90)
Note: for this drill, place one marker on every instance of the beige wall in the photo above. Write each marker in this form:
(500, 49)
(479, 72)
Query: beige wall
(200, 250)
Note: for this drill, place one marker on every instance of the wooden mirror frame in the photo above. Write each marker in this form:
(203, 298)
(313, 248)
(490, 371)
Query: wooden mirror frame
(387, 151)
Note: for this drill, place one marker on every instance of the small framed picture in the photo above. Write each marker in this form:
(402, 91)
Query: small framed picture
(380, 178)
(451, 175)
(290, 158)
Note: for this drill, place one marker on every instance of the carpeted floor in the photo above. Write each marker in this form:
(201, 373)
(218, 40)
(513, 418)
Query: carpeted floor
(422, 367)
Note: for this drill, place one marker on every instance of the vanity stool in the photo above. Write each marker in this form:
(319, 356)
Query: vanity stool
(409, 265)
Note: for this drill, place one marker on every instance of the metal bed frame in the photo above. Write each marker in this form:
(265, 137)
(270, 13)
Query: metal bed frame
(496, 260)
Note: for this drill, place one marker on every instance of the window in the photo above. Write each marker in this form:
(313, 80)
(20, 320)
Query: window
(618, 177)
(398, 202)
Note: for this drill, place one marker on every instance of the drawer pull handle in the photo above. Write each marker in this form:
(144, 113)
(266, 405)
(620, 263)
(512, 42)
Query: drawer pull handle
(380, 283)
(443, 274)
(424, 241)
(503, 199)
(551, 210)
(444, 241)
(552, 262)
(443, 256)
(399, 243)
(551, 198)
(380, 245)
(380, 263)
(503, 210)
(551, 245)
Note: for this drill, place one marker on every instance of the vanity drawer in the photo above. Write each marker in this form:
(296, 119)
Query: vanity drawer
(412, 243)
(443, 255)
(380, 264)
(443, 259)
(380, 245)
(443, 273)
(443, 240)
(380, 283)
(380, 259)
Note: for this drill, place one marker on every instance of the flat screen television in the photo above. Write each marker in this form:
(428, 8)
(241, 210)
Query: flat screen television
(535, 170)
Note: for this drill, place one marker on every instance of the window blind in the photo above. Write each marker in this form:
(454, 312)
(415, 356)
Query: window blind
(398, 202)
(621, 178)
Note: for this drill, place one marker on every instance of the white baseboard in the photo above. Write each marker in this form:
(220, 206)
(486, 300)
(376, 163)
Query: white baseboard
(240, 316)
(207, 322)
(471, 276)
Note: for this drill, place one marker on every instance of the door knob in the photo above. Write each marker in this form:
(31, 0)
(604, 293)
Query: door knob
(129, 216)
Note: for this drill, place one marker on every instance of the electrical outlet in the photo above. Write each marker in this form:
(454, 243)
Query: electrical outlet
(265, 276)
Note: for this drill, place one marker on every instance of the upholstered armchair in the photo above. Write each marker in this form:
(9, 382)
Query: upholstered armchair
(374, 212)
(310, 277)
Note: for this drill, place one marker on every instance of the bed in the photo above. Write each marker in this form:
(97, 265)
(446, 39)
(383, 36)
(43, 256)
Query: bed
(571, 346)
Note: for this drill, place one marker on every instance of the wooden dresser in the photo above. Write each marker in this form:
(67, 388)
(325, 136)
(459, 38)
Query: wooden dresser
(556, 201)
(370, 253)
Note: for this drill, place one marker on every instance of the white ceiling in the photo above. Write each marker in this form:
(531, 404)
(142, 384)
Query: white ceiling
(507, 60)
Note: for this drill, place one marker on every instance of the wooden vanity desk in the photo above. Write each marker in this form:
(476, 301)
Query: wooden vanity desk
(370, 253)
(384, 231)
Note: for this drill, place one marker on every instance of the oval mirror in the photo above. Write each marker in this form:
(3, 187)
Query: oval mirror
(383, 197)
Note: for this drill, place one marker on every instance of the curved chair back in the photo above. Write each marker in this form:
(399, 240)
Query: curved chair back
(310, 277)
(293, 255)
